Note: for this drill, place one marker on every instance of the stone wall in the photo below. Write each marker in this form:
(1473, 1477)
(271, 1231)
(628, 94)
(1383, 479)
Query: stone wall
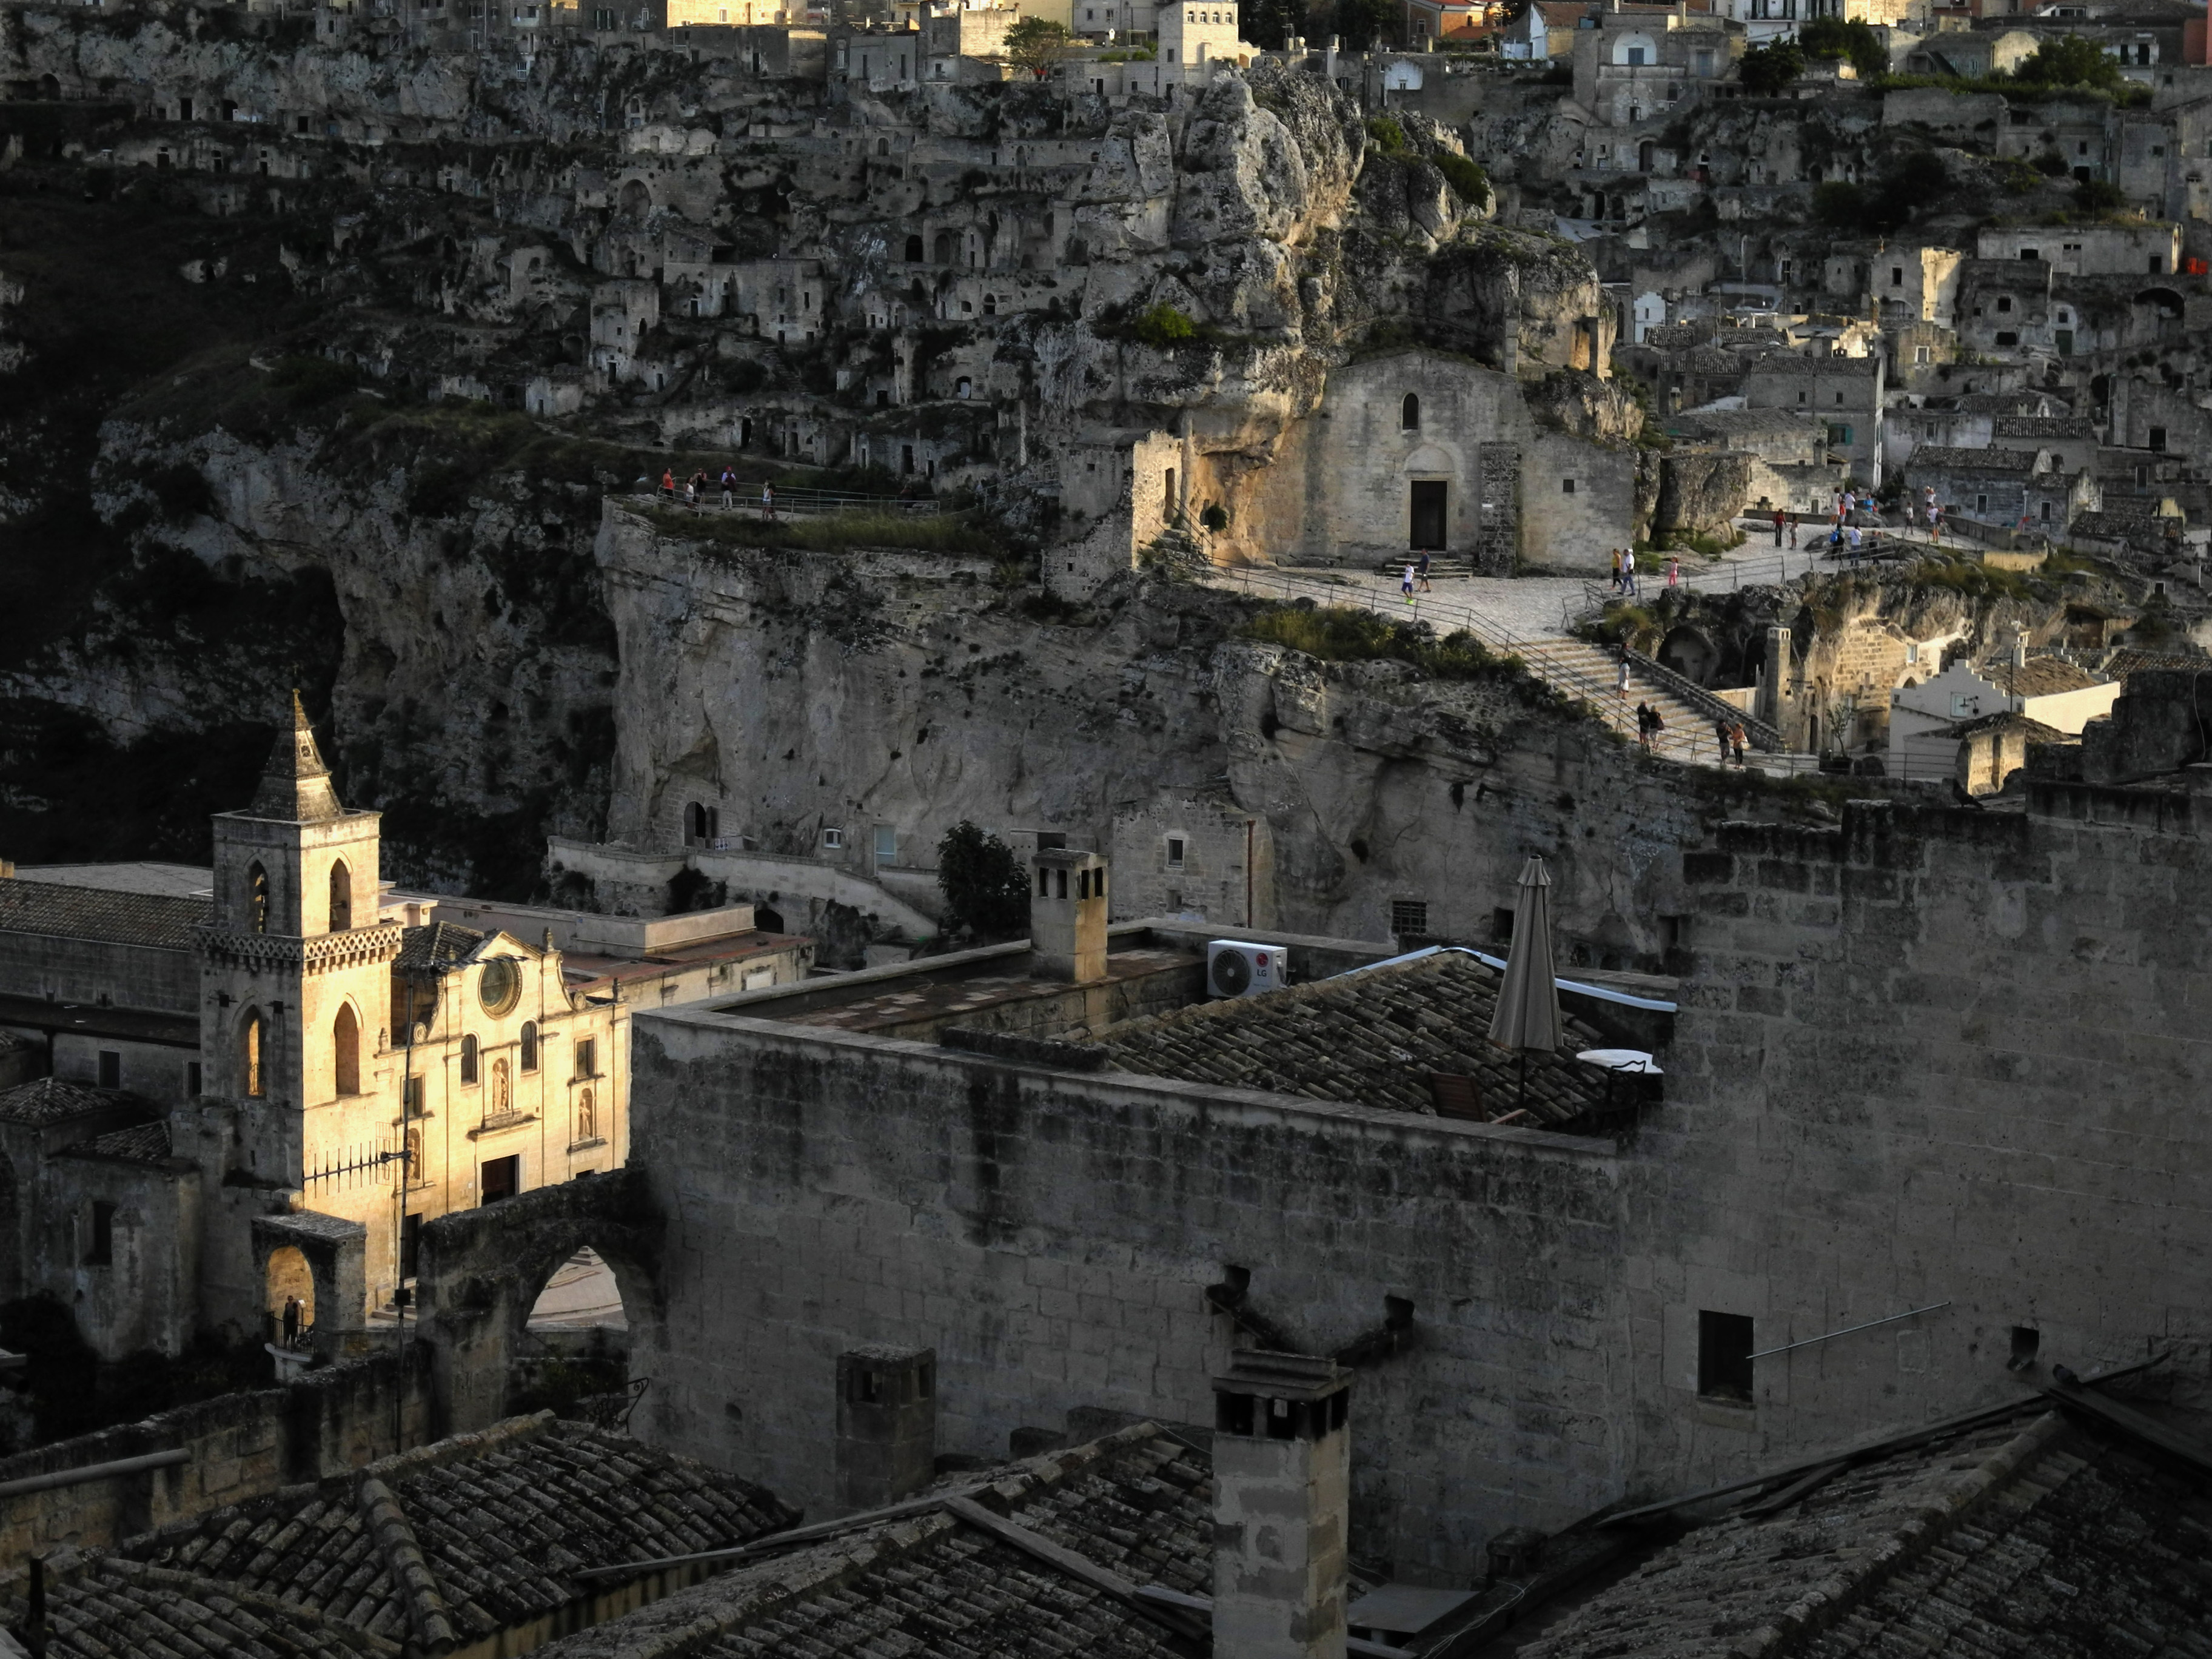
(241, 1446)
(1051, 1235)
(99, 971)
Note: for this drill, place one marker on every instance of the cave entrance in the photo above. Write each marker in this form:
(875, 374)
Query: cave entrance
(1428, 514)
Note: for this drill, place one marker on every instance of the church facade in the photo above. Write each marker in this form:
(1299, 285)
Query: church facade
(348, 1070)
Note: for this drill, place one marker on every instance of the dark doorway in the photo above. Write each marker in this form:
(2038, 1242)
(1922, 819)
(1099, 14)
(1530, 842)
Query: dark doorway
(1428, 513)
(503, 1178)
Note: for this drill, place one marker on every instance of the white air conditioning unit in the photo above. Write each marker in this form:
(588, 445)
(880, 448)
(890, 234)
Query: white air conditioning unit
(1233, 968)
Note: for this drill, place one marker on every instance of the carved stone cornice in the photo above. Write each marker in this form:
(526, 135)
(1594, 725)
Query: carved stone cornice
(357, 947)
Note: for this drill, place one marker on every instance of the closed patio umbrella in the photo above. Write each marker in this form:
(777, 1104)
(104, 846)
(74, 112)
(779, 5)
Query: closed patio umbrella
(1528, 1014)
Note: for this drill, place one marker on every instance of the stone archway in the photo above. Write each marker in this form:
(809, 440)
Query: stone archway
(480, 1271)
(335, 1252)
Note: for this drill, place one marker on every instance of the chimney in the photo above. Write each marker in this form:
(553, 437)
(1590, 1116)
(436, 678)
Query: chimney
(1282, 1483)
(886, 1425)
(1067, 915)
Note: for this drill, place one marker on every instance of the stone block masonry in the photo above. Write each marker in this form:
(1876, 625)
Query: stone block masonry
(1051, 1235)
(1928, 1057)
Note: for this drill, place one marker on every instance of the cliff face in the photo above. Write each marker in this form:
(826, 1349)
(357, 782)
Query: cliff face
(320, 352)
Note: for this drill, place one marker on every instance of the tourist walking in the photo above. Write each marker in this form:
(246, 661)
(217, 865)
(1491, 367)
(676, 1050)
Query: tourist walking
(1721, 739)
(1616, 570)
(729, 487)
(1628, 571)
(1674, 571)
(1736, 735)
(668, 482)
(768, 501)
(1406, 583)
(1644, 725)
(1421, 571)
(1620, 679)
(1779, 516)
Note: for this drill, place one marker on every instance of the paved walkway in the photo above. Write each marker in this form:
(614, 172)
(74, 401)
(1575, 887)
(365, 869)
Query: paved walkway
(1530, 617)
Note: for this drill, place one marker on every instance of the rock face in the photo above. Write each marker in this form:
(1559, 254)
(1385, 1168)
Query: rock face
(330, 344)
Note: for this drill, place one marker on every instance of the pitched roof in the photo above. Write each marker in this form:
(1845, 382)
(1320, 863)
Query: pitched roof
(2047, 1538)
(932, 1580)
(2007, 720)
(100, 1607)
(2044, 426)
(1369, 1038)
(476, 1534)
(28, 905)
(295, 784)
(1943, 458)
(2038, 677)
(141, 1143)
(50, 1100)
(437, 946)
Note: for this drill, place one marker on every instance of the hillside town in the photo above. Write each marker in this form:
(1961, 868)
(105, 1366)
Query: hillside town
(976, 827)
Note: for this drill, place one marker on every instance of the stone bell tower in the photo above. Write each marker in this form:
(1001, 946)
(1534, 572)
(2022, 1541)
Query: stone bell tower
(294, 968)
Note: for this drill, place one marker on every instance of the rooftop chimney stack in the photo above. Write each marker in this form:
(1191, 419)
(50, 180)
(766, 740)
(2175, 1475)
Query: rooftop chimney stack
(1067, 915)
(1282, 1486)
(886, 1425)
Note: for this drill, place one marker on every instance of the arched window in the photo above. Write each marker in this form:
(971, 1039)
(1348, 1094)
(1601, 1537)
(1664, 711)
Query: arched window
(882, 146)
(1409, 414)
(468, 1060)
(990, 305)
(964, 387)
(588, 1115)
(341, 897)
(257, 897)
(943, 249)
(345, 1050)
(252, 1041)
(914, 250)
(529, 1045)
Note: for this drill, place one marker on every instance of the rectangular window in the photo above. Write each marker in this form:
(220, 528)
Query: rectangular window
(1981, 503)
(500, 1178)
(2158, 439)
(410, 1244)
(1566, 486)
(1501, 924)
(587, 1057)
(99, 1244)
(110, 1069)
(1724, 1353)
(886, 843)
(1636, 57)
(191, 1077)
(411, 1095)
(1175, 851)
(1408, 916)
(833, 838)
(1920, 354)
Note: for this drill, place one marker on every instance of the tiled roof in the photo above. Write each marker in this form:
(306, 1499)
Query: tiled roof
(1794, 362)
(30, 906)
(1942, 458)
(2045, 1540)
(50, 1100)
(437, 945)
(142, 1143)
(2044, 426)
(932, 1582)
(500, 1520)
(103, 1607)
(2038, 677)
(1371, 1038)
(2006, 719)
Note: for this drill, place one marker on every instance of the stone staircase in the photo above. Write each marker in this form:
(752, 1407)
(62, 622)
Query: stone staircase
(1177, 551)
(1590, 673)
(1440, 566)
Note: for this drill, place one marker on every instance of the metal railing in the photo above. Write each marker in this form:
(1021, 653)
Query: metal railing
(746, 498)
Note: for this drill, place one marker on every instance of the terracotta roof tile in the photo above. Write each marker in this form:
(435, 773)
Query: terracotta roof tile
(30, 906)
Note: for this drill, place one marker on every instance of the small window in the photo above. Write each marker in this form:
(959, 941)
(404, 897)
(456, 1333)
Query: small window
(1920, 354)
(192, 1079)
(529, 1045)
(501, 1178)
(2157, 439)
(886, 843)
(2004, 303)
(833, 838)
(1724, 1356)
(1981, 504)
(2027, 1341)
(1566, 486)
(1408, 916)
(2031, 253)
(1175, 851)
(587, 1057)
(468, 1060)
(100, 1245)
(110, 1069)
(1409, 414)
(411, 1095)
(2007, 337)
(1501, 924)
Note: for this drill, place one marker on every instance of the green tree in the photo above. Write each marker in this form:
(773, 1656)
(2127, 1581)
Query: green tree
(1364, 23)
(1269, 24)
(1840, 204)
(1766, 71)
(1035, 44)
(2069, 61)
(1915, 180)
(1164, 326)
(985, 893)
(1831, 37)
